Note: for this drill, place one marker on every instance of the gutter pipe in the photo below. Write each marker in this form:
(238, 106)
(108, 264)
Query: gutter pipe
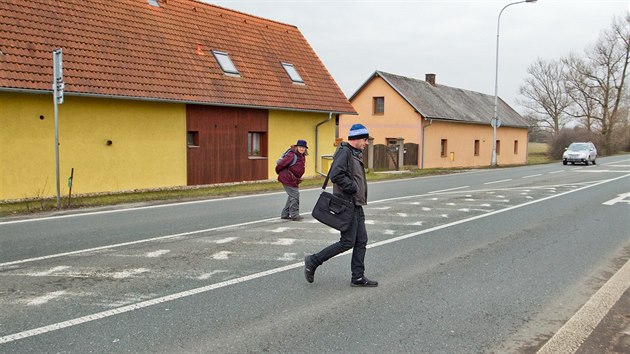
(317, 143)
(423, 135)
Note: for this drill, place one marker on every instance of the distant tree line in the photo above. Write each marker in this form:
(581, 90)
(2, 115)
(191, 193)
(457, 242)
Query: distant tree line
(583, 98)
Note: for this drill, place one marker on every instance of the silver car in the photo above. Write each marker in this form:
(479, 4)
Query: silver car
(580, 152)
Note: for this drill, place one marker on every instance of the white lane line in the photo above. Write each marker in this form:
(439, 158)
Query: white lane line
(135, 208)
(176, 296)
(447, 190)
(503, 180)
(556, 172)
(571, 336)
(132, 243)
(530, 176)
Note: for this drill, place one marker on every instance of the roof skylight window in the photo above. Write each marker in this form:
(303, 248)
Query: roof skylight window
(154, 3)
(225, 62)
(293, 74)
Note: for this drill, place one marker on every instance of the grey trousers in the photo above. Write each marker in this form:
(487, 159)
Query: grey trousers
(292, 206)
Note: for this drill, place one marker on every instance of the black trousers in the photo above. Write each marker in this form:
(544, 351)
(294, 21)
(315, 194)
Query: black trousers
(355, 237)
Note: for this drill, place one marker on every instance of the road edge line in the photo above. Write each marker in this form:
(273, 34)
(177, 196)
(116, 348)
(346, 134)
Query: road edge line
(574, 332)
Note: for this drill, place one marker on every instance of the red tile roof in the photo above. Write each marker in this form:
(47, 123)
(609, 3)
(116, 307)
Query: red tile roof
(130, 49)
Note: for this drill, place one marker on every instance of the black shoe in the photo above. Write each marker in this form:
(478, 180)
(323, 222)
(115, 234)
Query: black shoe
(309, 269)
(297, 218)
(364, 282)
(285, 218)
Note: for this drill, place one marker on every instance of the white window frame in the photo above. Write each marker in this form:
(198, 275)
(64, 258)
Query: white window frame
(225, 62)
(294, 75)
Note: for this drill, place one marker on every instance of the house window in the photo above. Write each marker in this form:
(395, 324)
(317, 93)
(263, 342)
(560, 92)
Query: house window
(193, 139)
(293, 74)
(379, 105)
(498, 147)
(476, 147)
(255, 144)
(443, 148)
(515, 147)
(225, 62)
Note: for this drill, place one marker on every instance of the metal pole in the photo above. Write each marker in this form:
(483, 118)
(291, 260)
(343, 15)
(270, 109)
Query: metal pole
(57, 149)
(57, 99)
(495, 119)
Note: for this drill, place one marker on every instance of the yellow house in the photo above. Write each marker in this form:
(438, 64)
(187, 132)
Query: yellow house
(449, 127)
(156, 94)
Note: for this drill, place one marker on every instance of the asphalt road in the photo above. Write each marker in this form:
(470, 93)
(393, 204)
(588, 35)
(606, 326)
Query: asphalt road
(487, 261)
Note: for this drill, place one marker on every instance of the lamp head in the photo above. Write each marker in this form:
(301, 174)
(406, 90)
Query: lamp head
(531, 0)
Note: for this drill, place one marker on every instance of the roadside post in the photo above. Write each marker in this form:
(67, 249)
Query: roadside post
(57, 86)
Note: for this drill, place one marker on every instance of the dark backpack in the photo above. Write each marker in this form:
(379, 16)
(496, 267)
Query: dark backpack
(295, 158)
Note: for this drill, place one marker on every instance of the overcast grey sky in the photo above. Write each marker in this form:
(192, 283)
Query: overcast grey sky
(454, 39)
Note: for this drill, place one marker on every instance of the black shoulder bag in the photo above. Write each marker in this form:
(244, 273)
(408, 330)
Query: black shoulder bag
(332, 210)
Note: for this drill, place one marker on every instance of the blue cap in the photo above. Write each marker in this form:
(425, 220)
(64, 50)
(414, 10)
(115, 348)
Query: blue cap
(301, 143)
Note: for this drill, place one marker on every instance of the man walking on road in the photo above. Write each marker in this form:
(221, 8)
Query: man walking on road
(348, 176)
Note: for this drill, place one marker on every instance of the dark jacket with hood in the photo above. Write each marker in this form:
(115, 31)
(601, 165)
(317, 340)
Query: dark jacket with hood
(348, 174)
(291, 175)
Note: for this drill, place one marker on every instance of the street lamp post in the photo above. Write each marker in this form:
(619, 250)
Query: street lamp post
(495, 120)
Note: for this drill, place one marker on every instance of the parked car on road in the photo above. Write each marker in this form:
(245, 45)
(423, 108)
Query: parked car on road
(580, 152)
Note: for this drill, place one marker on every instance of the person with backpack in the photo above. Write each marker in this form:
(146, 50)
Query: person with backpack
(290, 168)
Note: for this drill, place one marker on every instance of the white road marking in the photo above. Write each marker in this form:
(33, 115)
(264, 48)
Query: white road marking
(133, 242)
(402, 215)
(288, 257)
(48, 272)
(570, 336)
(206, 276)
(464, 210)
(225, 240)
(503, 180)
(274, 219)
(129, 273)
(136, 208)
(40, 300)
(621, 198)
(221, 255)
(281, 229)
(278, 242)
(388, 232)
(176, 296)
(370, 222)
(530, 176)
(157, 253)
(447, 190)
(382, 208)
(556, 172)
(426, 209)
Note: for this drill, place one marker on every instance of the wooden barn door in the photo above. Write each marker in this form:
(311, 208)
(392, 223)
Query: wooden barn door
(218, 144)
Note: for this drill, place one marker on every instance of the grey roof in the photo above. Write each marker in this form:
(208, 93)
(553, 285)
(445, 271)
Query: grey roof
(449, 103)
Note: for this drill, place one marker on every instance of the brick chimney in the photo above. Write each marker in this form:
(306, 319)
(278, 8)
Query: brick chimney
(430, 78)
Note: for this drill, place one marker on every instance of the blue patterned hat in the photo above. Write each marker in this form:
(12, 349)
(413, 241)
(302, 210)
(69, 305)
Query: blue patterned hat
(358, 131)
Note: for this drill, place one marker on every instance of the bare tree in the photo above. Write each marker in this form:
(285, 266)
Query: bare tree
(598, 83)
(546, 95)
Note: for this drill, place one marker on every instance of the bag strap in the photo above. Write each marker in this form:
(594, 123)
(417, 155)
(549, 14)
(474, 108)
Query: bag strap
(328, 174)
